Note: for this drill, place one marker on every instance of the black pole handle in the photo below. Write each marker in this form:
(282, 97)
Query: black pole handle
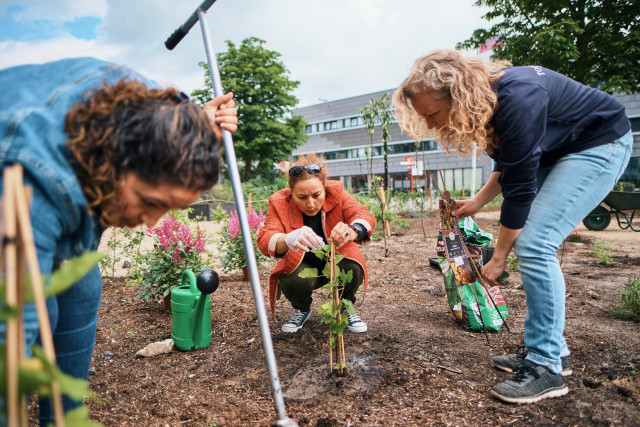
(182, 31)
(175, 38)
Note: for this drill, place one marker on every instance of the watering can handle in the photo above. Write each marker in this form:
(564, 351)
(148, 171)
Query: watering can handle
(188, 275)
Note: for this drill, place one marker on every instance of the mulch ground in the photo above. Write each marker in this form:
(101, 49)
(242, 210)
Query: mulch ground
(415, 365)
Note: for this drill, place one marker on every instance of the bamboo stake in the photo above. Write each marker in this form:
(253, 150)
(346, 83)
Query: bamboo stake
(336, 303)
(26, 234)
(14, 352)
(444, 186)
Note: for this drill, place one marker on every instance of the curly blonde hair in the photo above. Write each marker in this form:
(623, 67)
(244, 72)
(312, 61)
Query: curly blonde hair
(467, 83)
(153, 133)
(304, 161)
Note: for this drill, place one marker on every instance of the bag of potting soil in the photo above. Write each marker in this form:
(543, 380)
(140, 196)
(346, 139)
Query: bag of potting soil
(467, 298)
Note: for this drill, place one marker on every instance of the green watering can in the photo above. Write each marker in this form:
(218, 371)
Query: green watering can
(191, 310)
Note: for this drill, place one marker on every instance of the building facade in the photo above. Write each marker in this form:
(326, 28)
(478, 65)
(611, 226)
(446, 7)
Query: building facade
(336, 130)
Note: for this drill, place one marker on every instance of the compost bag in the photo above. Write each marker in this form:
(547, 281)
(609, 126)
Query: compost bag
(459, 244)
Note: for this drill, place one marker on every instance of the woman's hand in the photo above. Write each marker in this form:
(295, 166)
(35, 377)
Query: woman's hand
(223, 114)
(465, 208)
(342, 234)
(493, 270)
(303, 238)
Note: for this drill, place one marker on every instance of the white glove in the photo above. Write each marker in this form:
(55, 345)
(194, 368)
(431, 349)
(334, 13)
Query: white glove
(303, 238)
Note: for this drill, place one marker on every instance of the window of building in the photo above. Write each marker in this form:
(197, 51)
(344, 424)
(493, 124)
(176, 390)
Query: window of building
(353, 121)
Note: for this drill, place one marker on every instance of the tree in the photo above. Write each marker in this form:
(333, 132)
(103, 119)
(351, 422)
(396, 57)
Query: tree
(377, 112)
(594, 42)
(267, 133)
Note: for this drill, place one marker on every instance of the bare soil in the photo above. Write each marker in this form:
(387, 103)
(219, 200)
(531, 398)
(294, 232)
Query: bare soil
(415, 365)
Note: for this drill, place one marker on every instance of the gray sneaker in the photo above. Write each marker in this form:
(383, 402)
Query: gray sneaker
(510, 362)
(530, 384)
(295, 322)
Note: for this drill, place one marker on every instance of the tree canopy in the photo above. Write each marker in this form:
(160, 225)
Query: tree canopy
(594, 42)
(267, 133)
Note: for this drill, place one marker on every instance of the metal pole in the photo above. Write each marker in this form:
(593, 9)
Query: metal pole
(263, 322)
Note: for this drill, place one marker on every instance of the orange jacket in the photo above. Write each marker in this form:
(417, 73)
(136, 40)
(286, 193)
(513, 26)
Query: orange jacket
(283, 216)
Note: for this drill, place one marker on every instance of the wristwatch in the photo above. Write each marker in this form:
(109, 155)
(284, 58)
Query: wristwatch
(360, 229)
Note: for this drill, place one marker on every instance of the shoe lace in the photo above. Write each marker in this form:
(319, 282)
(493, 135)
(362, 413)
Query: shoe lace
(296, 317)
(523, 371)
(353, 318)
(521, 352)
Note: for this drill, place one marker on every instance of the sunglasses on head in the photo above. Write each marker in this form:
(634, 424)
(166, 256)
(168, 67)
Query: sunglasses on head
(312, 168)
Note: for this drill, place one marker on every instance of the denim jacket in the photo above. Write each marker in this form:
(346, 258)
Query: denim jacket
(34, 100)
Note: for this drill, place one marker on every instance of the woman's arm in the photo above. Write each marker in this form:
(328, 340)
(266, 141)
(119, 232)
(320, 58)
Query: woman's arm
(496, 266)
(487, 193)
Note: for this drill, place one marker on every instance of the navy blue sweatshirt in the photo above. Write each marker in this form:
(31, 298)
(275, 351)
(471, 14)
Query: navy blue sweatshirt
(541, 116)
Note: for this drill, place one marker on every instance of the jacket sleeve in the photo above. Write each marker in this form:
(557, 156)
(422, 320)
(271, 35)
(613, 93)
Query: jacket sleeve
(520, 125)
(272, 229)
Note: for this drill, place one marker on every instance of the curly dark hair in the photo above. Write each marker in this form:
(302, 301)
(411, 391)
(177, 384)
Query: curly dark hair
(153, 133)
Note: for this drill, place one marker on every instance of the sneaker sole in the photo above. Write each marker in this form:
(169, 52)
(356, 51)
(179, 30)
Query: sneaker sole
(555, 392)
(564, 373)
(291, 330)
(357, 330)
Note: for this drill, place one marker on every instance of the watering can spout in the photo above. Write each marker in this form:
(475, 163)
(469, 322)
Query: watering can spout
(191, 311)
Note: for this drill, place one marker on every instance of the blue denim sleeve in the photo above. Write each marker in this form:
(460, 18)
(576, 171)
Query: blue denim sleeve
(520, 126)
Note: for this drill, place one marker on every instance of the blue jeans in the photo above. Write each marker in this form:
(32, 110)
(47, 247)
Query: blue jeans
(567, 192)
(73, 315)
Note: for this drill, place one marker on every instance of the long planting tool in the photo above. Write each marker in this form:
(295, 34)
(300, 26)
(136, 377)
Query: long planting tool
(172, 41)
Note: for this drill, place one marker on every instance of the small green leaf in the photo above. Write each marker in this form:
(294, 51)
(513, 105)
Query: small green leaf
(308, 272)
(348, 305)
(71, 271)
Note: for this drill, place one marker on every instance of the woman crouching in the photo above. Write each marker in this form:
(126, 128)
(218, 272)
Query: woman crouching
(302, 217)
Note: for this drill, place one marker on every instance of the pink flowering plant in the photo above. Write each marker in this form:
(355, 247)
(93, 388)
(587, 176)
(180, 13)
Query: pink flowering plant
(176, 248)
(233, 256)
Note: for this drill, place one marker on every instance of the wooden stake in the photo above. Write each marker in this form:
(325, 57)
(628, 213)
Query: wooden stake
(17, 223)
(10, 253)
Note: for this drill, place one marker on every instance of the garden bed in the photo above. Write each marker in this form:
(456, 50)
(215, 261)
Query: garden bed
(401, 372)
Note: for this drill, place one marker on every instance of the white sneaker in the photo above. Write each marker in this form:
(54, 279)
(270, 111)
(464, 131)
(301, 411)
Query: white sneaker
(356, 324)
(295, 322)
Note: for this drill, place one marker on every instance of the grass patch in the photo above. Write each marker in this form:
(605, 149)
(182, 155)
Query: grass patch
(601, 251)
(628, 302)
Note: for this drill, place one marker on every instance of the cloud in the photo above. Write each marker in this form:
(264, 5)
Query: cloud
(55, 10)
(335, 48)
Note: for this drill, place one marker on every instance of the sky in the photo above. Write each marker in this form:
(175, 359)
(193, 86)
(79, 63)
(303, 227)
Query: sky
(335, 48)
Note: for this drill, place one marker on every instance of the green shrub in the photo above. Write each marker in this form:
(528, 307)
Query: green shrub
(628, 302)
(601, 251)
(513, 263)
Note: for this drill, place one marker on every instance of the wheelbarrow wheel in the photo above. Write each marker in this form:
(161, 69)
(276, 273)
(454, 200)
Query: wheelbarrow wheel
(598, 219)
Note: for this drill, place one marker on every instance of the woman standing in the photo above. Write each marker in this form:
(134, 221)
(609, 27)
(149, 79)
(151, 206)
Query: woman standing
(100, 146)
(302, 217)
(558, 146)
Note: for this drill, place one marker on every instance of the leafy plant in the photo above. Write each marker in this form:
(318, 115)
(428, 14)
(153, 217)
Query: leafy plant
(512, 262)
(176, 248)
(263, 91)
(601, 250)
(219, 214)
(333, 311)
(37, 374)
(378, 113)
(111, 259)
(575, 237)
(628, 302)
(233, 253)
(593, 42)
